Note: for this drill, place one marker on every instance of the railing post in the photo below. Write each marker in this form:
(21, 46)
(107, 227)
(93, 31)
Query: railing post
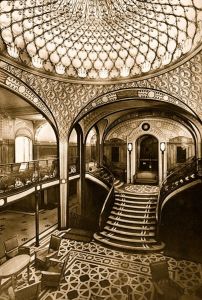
(37, 200)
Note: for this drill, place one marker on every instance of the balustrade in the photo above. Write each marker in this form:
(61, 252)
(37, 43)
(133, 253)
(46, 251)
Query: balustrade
(18, 175)
(178, 177)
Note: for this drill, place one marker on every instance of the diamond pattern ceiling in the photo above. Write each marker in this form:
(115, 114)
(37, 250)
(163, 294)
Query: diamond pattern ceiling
(100, 39)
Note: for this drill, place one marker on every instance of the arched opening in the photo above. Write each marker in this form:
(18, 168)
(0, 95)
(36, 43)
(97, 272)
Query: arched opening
(28, 156)
(91, 149)
(147, 159)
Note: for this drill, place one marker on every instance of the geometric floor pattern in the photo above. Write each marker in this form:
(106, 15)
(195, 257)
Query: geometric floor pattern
(97, 272)
(139, 189)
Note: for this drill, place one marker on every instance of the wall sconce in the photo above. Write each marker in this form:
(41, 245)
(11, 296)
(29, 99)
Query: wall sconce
(163, 146)
(130, 148)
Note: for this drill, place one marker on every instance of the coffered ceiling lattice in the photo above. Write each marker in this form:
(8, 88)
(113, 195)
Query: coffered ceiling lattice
(100, 39)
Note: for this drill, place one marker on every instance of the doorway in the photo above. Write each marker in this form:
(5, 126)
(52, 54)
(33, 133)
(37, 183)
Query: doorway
(147, 160)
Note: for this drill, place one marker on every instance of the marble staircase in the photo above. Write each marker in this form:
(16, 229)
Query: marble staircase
(131, 224)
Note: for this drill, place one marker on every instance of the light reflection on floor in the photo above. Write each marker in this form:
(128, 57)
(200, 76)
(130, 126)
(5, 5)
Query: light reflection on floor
(23, 224)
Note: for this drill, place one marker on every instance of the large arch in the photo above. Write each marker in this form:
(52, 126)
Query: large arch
(136, 93)
(18, 87)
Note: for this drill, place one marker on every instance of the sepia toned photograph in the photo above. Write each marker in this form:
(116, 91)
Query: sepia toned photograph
(100, 149)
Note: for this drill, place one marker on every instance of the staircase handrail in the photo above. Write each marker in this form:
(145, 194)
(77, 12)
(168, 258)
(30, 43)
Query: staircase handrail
(106, 208)
(180, 176)
(179, 167)
(95, 173)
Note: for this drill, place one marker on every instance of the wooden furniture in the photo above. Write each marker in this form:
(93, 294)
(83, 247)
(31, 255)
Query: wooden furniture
(14, 266)
(164, 286)
(12, 248)
(43, 255)
(55, 273)
(30, 292)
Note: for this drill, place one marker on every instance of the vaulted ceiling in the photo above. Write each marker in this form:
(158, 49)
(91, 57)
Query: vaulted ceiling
(98, 40)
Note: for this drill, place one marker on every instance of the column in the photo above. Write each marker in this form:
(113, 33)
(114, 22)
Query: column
(82, 170)
(63, 166)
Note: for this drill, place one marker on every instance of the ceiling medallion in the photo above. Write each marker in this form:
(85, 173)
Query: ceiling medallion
(145, 126)
(100, 39)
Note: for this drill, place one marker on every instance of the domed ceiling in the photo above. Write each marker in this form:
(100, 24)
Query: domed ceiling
(100, 39)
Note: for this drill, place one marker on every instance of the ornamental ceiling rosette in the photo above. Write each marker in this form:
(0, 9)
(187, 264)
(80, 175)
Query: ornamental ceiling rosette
(100, 39)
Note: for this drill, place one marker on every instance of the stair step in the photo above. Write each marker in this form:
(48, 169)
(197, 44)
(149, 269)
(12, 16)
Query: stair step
(119, 237)
(130, 202)
(136, 196)
(134, 211)
(127, 232)
(139, 221)
(136, 199)
(138, 205)
(130, 227)
(120, 214)
(129, 246)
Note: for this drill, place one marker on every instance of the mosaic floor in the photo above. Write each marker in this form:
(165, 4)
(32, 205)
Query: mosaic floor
(96, 272)
(139, 189)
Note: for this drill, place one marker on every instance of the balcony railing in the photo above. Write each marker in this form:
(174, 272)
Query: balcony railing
(178, 177)
(18, 175)
(103, 174)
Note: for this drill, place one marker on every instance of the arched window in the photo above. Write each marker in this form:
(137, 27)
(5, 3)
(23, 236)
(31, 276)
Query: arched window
(23, 149)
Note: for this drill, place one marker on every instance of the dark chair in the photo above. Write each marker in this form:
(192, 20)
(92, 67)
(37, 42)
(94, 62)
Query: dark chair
(12, 248)
(55, 273)
(30, 292)
(164, 287)
(43, 255)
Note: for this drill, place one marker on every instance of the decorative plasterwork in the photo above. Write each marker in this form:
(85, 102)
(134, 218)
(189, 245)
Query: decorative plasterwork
(68, 102)
(145, 115)
(100, 39)
(165, 129)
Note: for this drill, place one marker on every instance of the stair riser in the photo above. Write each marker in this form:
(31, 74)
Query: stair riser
(130, 240)
(136, 217)
(138, 204)
(142, 247)
(126, 226)
(136, 198)
(139, 222)
(134, 211)
(140, 233)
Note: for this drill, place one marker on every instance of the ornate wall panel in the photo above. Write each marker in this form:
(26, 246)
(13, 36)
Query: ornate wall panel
(164, 128)
(67, 100)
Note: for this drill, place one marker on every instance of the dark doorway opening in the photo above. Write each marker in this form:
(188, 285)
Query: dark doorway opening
(147, 160)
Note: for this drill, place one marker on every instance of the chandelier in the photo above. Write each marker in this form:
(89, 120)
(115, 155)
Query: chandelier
(98, 9)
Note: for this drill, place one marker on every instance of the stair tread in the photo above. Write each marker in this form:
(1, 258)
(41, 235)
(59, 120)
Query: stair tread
(134, 211)
(143, 247)
(130, 202)
(128, 240)
(129, 233)
(141, 226)
(134, 205)
(132, 216)
(135, 196)
(140, 221)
